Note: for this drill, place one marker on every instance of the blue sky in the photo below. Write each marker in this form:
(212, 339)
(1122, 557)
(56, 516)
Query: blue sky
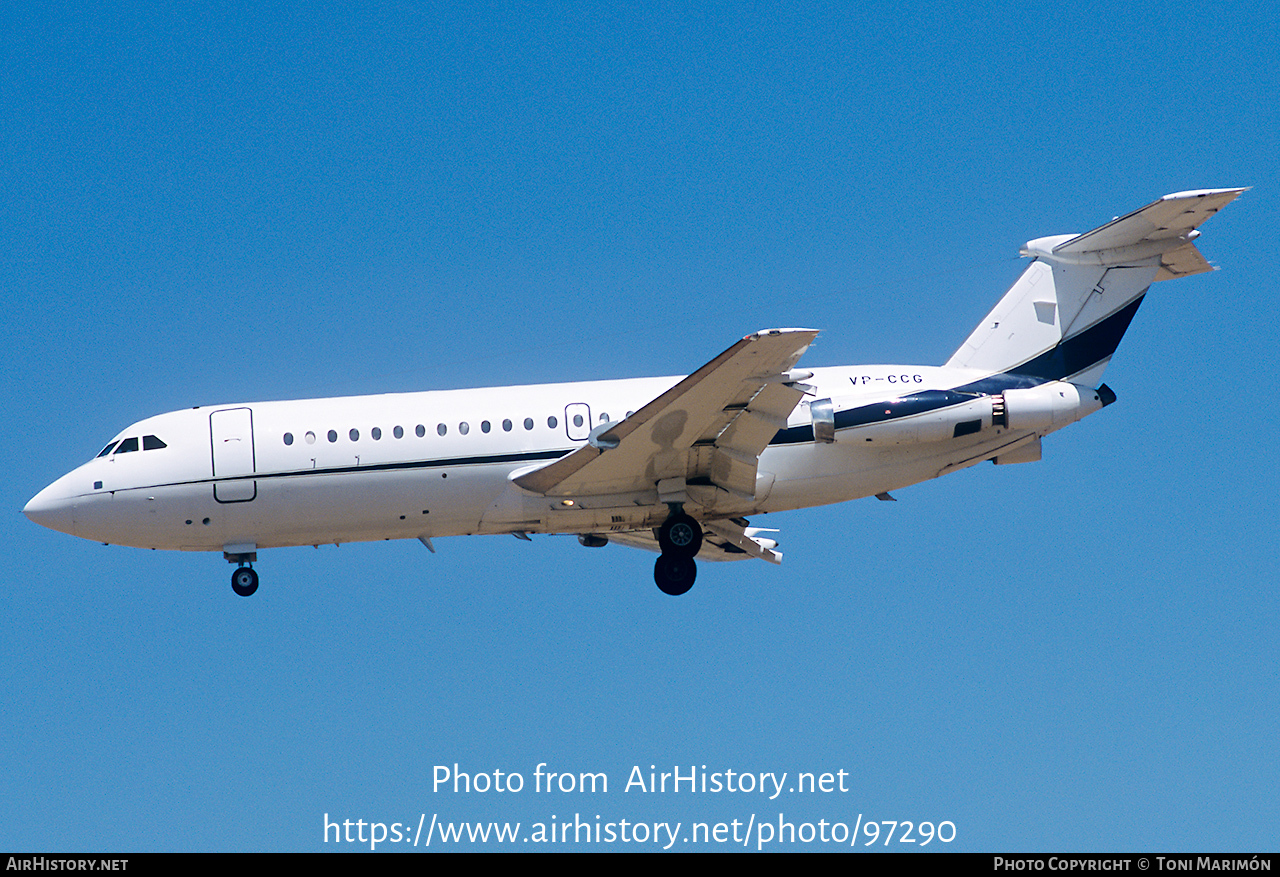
(245, 203)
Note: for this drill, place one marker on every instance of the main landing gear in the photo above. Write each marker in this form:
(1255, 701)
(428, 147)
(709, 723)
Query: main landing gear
(679, 537)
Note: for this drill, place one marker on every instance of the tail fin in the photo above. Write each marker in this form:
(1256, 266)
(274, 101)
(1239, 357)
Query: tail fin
(1065, 316)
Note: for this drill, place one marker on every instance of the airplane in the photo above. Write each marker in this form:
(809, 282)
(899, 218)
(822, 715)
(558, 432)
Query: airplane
(675, 465)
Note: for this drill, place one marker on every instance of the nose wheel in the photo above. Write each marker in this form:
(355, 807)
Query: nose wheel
(680, 538)
(244, 581)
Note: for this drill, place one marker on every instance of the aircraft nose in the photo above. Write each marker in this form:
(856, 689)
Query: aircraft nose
(53, 507)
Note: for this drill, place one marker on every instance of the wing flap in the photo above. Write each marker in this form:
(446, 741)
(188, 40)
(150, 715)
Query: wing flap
(751, 431)
(733, 463)
(747, 539)
(721, 541)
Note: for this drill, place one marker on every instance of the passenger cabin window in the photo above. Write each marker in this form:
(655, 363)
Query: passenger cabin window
(152, 443)
(126, 446)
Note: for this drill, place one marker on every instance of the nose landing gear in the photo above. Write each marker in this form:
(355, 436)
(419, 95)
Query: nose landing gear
(244, 581)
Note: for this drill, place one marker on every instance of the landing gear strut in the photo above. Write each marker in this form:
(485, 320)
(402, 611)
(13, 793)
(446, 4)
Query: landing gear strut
(679, 537)
(244, 581)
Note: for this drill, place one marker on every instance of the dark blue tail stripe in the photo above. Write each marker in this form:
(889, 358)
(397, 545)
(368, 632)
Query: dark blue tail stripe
(1079, 352)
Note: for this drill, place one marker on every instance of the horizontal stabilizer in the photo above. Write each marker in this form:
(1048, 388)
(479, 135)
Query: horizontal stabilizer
(1164, 228)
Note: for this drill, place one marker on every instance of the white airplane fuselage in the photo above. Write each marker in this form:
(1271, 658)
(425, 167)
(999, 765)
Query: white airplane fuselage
(311, 472)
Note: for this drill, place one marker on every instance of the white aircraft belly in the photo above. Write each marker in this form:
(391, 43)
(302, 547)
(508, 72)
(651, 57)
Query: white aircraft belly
(810, 475)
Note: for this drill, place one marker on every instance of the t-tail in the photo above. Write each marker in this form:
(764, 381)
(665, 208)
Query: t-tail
(1064, 317)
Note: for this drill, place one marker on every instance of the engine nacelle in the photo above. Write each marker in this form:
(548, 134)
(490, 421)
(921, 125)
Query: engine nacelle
(939, 415)
(927, 416)
(1049, 406)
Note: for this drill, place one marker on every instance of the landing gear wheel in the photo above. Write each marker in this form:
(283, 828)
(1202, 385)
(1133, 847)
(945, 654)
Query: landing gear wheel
(674, 575)
(680, 536)
(244, 581)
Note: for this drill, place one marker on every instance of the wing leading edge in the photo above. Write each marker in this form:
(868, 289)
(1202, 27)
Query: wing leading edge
(712, 425)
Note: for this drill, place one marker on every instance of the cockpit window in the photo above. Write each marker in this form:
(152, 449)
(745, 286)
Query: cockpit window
(106, 450)
(129, 444)
(152, 443)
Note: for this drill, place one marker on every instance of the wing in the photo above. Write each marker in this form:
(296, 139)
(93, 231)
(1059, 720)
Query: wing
(709, 428)
(722, 540)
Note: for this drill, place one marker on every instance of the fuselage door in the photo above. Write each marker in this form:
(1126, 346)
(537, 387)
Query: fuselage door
(577, 421)
(231, 432)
